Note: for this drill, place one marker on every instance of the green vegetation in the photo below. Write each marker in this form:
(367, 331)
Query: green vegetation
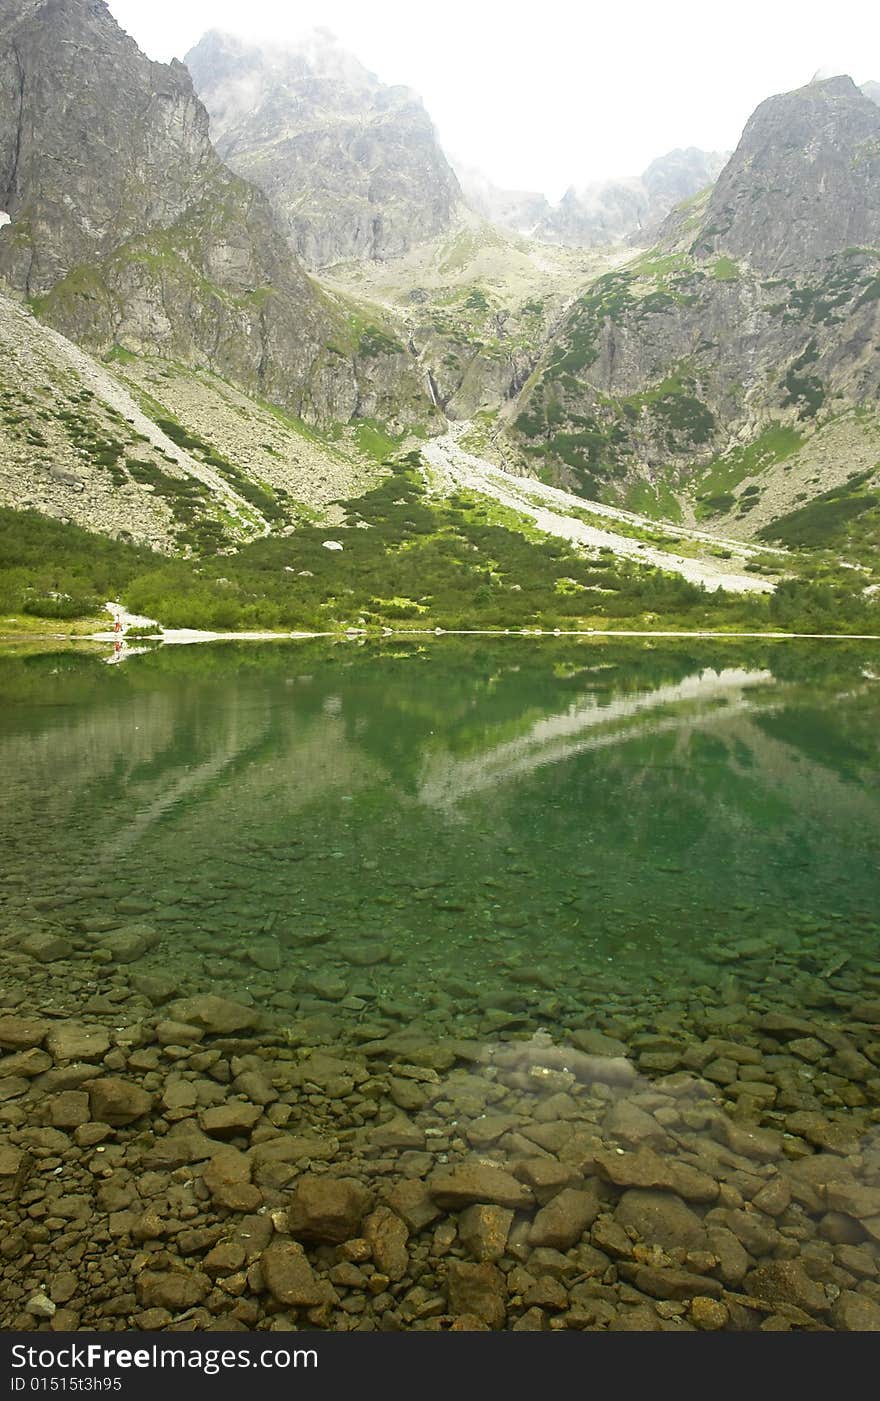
(823, 521)
(725, 270)
(805, 391)
(374, 343)
(264, 498)
(655, 499)
(406, 557)
(715, 484)
(52, 570)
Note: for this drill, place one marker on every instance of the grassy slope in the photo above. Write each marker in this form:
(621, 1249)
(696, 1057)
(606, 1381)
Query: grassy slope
(408, 560)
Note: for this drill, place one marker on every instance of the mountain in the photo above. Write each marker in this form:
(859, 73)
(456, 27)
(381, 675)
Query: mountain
(127, 229)
(515, 211)
(352, 166)
(802, 184)
(605, 212)
(872, 90)
(705, 364)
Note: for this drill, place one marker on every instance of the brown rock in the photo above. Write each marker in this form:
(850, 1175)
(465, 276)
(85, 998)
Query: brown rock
(708, 1314)
(21, 1033)
(773, 1199)
(545, 1176)
(118, 1102)
(562, 1222)
(227, 1177)
(856, 1313)
(670, 1283)
(649, 1170)
(733, 1260)
(387, 1235)
(28, 1063)
(546, 1293)
(45, 947)
(172, 1290)
(327, 1209)
(484, 1231)
(229, 1119)
(853, 1199)
(824, 1133)
(629, 1124)
(414, 1204)
(218, 1015)
(477, 1290)
(290, 1279)
(764, 1145)
(170, 1033)
(10, 1160)
(660, 1218)
(786, 1282)
(69, 1110)
(479, 1182)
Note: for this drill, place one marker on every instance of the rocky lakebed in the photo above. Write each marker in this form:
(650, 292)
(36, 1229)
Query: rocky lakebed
(179, 1159)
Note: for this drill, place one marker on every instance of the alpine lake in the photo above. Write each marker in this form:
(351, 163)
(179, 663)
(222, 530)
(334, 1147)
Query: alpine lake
(445, 983)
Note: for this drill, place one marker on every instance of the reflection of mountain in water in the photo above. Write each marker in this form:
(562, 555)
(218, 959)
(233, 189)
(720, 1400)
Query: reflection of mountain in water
(305, 769)
(592, 724)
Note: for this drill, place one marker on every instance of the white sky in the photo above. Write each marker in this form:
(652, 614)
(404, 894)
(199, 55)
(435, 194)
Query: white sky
(559, 92)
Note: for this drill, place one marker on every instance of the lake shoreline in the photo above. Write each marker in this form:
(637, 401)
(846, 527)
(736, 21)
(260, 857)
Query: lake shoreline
(191, 636)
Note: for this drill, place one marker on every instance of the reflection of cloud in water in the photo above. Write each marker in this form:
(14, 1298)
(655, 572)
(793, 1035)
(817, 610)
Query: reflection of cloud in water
(593, 724)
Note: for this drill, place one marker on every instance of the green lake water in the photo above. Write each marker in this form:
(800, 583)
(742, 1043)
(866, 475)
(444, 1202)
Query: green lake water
(478, 835)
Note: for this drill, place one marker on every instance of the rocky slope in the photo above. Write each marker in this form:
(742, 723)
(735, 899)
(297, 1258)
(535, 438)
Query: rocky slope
(475, 306)
(352, 165)
(126, 228)
(753, 324)
(158, 455)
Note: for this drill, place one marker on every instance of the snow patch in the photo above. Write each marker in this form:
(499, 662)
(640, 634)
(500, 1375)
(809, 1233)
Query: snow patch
(4, 219)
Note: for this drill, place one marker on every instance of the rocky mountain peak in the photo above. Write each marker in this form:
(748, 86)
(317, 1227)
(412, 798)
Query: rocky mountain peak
(352, 164)
(803, 182)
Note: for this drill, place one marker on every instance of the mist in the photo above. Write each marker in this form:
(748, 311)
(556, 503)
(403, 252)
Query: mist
(565, 95)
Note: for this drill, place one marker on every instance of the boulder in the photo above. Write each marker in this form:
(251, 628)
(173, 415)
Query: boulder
(218, 1015)
(117, 1102)
(650, 1170)
(561, 1223)
(479, 1182)
(69, 1041)
(290, 1278)
(661, 1218)
(327, 1209)
(477, 1291)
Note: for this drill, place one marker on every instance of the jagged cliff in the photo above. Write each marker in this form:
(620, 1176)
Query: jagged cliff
(757, 312)
(352, 165)
(127, 228)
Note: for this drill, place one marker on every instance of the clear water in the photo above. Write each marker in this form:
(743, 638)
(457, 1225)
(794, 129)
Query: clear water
(487, 836)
